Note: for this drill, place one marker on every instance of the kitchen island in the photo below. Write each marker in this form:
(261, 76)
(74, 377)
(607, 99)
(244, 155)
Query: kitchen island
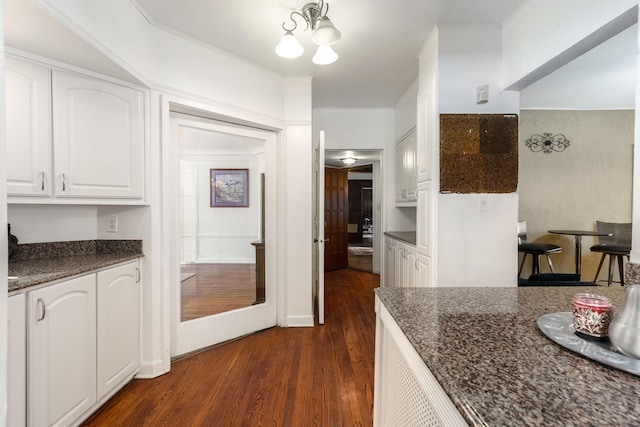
(487, 362)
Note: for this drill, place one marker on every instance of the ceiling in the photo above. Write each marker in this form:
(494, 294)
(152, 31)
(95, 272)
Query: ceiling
(380, 39)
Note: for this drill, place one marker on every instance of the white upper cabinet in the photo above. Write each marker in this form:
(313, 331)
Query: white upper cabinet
(28, 127)
(98, 136)
(72, 138)
(405, 174)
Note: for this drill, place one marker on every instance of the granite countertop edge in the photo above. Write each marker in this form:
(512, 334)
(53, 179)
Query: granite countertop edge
(405, 236)
(36, 272)
(35, 264)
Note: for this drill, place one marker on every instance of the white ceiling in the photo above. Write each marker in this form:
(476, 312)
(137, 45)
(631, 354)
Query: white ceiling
(380, 41)
(380, 38)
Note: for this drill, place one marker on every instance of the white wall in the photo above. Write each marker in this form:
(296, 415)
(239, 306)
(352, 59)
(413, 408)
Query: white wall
(224, 235)
(171, 63)
(53, 223)
(546, 34)
(476, 247)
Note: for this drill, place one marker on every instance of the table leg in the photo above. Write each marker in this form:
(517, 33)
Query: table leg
(578, 255)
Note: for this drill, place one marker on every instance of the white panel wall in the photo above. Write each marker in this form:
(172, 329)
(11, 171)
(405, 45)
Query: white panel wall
(475, 248)
(546, 29)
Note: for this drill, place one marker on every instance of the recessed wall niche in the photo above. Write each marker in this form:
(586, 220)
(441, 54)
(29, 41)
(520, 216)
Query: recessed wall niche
(478, 153)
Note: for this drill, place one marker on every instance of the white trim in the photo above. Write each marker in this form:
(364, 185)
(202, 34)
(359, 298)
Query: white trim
(300, 321)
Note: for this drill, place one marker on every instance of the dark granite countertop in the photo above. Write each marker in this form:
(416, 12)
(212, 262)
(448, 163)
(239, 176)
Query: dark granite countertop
(39, 263)
(405, 236)
(485, 349)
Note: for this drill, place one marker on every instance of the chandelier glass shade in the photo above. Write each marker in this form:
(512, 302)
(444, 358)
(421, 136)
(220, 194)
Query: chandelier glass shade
(289, 47)
(325, 55)
(324, 33)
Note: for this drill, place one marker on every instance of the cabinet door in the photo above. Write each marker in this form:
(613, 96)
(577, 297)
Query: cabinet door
(389, 262)
(401, 265)
(425, 215)
(16, 361)
(28, 128)
(423, 272)
(399, 172)
(62, 351)
(410, 173)
(411, 266)
(98, 138)
(118, 326)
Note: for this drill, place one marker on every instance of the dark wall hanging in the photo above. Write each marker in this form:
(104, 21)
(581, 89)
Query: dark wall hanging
(478, 153)
(547, 142)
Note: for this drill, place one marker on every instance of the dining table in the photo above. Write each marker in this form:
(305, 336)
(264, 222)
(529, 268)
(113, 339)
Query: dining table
(578, 234)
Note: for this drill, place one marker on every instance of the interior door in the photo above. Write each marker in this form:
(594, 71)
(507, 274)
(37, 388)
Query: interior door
(201, 134)
(320, 227)
(336, 212)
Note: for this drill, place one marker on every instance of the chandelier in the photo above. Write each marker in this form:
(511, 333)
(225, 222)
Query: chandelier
(324, 34)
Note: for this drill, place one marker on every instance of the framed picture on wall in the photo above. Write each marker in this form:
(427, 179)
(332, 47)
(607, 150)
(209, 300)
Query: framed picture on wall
(229, 188)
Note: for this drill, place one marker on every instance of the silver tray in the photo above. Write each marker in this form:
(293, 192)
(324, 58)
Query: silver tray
(559, 328)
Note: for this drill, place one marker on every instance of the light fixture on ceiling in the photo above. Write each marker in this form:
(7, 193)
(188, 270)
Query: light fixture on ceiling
(348, 161)
(324, 34)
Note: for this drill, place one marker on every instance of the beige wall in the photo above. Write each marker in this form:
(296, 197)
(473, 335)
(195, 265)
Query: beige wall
(591, 180)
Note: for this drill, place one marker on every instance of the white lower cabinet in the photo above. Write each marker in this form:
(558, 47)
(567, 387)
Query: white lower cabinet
(389, 265)
(401, 264)
(405, 391)
(83, 344)
(118, 326)
(16, 361)
(62, 351)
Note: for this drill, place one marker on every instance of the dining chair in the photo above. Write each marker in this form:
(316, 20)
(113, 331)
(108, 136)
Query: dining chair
(536, 250)
(616, 246)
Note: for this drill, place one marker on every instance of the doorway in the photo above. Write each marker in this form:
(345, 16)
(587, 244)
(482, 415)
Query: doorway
(363, 199)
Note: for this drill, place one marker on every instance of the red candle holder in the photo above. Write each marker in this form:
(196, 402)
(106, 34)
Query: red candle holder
(592, 315)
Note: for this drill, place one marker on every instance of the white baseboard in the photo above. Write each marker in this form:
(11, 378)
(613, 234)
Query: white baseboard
(299, 321)
(151, 369)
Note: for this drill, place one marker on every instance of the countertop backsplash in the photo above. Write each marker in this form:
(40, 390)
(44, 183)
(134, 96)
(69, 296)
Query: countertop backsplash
(33, 251)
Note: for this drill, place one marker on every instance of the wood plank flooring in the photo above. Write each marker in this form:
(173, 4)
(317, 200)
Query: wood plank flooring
(320, 376)
(216, 288)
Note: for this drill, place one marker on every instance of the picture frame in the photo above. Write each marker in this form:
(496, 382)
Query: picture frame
(229, 188)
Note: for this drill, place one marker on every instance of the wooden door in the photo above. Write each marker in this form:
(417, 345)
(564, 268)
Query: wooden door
(336, 210)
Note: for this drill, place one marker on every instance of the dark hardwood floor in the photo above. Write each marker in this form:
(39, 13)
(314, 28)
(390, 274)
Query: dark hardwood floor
(216, 288)
(320, 376)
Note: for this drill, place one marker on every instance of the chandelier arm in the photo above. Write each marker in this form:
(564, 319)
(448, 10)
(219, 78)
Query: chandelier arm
(295, 24)
(321, 5)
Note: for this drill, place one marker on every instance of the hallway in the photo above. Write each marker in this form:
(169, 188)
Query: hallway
(278, 377)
